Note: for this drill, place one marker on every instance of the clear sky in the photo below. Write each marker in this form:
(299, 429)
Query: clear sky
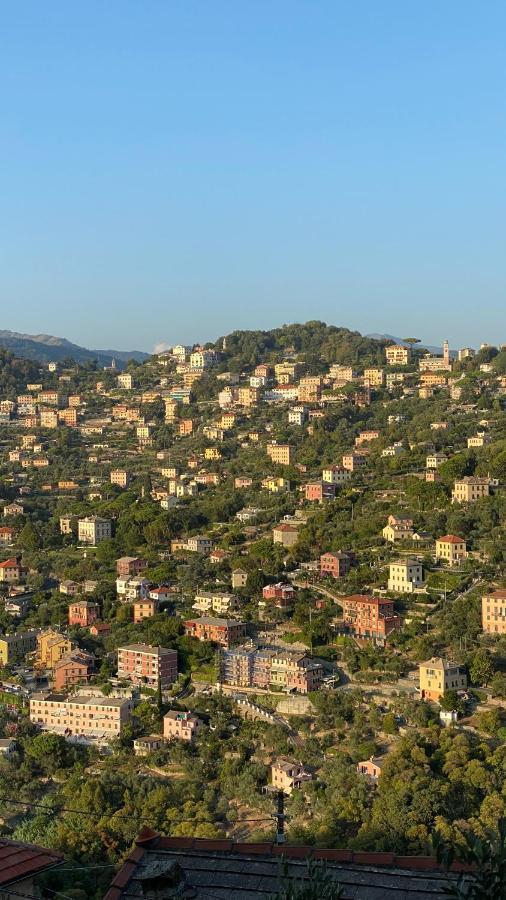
(174, 169)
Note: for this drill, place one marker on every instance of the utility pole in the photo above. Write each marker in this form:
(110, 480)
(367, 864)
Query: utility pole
(279, 815)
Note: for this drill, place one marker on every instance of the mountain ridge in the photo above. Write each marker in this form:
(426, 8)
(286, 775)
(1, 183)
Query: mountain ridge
(46, 348)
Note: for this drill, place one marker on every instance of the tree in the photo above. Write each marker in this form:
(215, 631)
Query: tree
(29, 538)
(481, 668)
(451, 701)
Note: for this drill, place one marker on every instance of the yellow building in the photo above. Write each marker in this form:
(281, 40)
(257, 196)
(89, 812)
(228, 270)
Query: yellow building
(437, 675)
(451, 549)
(470, 489)
(51, 647)
(14, 647)
(280, 453)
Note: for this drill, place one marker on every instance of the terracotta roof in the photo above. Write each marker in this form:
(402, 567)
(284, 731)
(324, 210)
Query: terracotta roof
(451, 539)
(11, 563)
(18, 861)
(223, 869)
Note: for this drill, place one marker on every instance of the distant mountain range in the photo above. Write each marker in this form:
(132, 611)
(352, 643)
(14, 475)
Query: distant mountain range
(46, 348)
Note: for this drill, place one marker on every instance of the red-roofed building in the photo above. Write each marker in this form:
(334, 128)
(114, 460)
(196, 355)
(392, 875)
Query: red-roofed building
(19, 866)
(451, 549)
(282, 594)
(11, 569)
(370, 617)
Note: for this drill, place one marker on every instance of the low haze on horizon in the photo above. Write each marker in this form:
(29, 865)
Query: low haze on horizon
(173, 172)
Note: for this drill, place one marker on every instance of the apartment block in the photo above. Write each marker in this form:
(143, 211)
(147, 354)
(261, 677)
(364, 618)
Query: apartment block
(14, 647)
(336, 565)
(282, 454)
(83, 613)
(372, 618)
(92, 718)
(397, 355)
(470, 489)
(145, 665)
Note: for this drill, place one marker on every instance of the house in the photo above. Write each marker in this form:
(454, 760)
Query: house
(319, 491)
(336, 565)
(405, 575)
(371, 618)
(398, 528)
(177, 859)
(353, 461)
(470, 489)
(239, 578)
(220, 631)
(437, 675)
(144, 609)
(217, 557)
(13, 509)
(199, 544)
(371, 767)
(8, 746)
(11, 569)
(130, 565)
(69, 588)
(143, 664)
(150, 743)
(288, 776)
(434, 460)
(214, 601)
(20, 865)
(276, 485)
(365, 437)
(6, 536)
(284, 534)
(451, 549)
(75, 668)
(181, 726)
(93, 529)
(282, 594)
(83, 613)
(493, 612)
(336, 474)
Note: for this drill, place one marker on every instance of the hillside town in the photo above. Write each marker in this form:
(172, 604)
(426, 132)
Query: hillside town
(269, 566)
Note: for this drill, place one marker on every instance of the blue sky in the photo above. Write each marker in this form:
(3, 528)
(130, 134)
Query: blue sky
(174, 170)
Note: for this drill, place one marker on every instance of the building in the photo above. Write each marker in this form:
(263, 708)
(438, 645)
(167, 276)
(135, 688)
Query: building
(282, 454)
(370, 767)
(470, 489)
(451, 549)
(397, 355)
(144, 609)
(493, 612)
(220, 631)
(83, 613)
(437, 675)
(434, 460)
(51, 647)
(145, 665)
(371, 618)
(80, 716)
(14, 647)
(284, 534)
(125, 381)
(120, 477)
(353, 461)
(239, 578)
(281, 594)
(11, 569)
(75, 668)
(6, 536)
(336, 474)
(319, 491)
(199, 543)
(277, 670)
(336, 565)
(181, 726)
(214, 601)
(130, 565)
(288, 776)
(405, 575)
(398, 528)
(20, 866)
(93, 529)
